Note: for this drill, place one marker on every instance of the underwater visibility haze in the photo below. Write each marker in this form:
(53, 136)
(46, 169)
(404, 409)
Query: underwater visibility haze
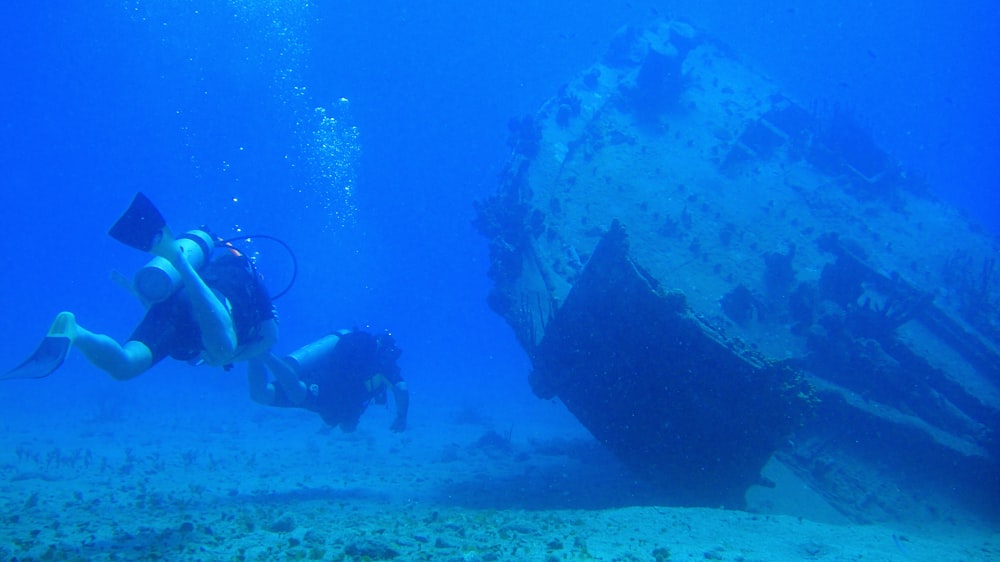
(376, 141)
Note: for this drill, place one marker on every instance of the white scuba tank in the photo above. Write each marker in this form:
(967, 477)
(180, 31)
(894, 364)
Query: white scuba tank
(316, 355)
(158, 279)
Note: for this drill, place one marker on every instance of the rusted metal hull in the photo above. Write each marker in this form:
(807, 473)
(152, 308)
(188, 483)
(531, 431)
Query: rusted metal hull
(707, 274)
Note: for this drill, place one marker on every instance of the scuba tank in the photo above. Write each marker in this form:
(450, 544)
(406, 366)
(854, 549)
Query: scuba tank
(316, 355)
(142, 226)
(158, 279)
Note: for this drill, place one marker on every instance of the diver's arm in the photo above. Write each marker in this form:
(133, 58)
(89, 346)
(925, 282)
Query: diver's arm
(218, 335)
(401, 396)
(260, 348)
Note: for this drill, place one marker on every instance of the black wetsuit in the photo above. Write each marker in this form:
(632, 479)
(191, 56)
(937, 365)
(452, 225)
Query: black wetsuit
(342, 383)
(170, 328)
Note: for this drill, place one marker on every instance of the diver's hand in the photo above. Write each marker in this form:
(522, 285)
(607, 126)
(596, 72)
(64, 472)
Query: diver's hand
(398, 424)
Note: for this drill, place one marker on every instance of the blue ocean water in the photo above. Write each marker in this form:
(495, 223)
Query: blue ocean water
(213, 111)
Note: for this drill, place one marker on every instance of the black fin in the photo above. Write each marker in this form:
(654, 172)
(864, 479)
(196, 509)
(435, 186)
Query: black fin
(142, 225)
(46, 359)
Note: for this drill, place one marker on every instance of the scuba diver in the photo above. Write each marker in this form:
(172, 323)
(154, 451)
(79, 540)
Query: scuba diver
(202, 308)
(336, 376)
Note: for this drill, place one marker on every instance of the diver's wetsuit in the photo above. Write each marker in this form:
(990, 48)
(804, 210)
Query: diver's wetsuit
(341, 383)
(170, 327)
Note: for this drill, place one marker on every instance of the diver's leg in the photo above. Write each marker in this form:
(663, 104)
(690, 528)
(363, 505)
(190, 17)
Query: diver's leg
(261, 391)
(264, 392)
(258, 357)
(285, 376)
(218, 334)
(122, 362)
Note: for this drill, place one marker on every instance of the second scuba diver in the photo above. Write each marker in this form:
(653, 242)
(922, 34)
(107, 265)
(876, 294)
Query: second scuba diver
(337, 377)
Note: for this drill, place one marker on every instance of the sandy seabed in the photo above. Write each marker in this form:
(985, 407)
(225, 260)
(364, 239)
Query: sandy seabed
(143, 476)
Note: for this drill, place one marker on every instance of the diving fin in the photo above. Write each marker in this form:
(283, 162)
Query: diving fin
(50, 353)
(141, 226)
(46, 359)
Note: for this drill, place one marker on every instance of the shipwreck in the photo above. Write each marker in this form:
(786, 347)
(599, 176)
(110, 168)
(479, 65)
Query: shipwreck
(712, 276)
